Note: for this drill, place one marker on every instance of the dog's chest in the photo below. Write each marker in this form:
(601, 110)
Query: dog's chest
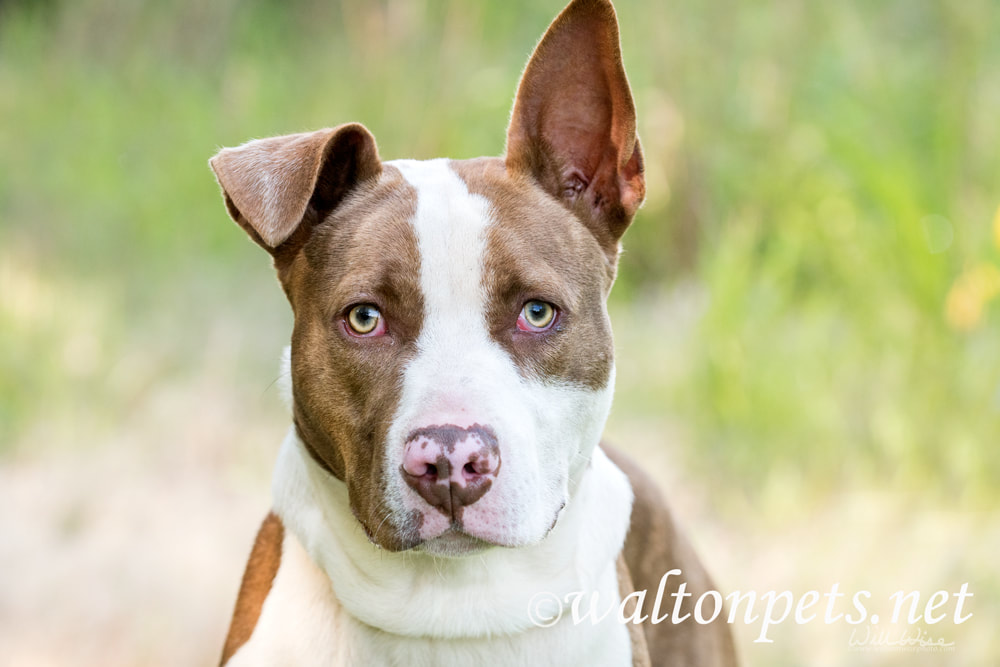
(303, 623)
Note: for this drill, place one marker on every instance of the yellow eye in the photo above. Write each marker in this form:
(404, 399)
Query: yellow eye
(538, 314)
(363, 318)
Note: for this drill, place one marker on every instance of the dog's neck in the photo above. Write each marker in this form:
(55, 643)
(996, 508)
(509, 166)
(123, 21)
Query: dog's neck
(412, 593)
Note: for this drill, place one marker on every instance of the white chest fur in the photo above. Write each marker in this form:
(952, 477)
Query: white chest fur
(339, 600)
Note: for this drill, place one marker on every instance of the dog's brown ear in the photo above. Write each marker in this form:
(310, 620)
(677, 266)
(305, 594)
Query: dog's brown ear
(271, 185)
(573, 125)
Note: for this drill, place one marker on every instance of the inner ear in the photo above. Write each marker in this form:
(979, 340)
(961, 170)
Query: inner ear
(350, 158)
(573, 126)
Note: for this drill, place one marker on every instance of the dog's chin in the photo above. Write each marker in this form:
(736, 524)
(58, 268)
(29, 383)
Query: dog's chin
(453, 543)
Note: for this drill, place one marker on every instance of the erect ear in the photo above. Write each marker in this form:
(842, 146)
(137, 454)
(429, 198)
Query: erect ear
(272, 185)
(573, 125)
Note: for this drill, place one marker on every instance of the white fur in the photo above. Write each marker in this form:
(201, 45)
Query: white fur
(379, 608)
(284, 382)
(300, 622)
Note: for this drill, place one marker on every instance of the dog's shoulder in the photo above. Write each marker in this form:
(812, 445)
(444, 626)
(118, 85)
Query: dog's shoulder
(653, 547)
(265, 559)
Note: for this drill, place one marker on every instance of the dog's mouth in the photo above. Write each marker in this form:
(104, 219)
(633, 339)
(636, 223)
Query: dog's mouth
(428, 530)
(454, 541)
(457, 540)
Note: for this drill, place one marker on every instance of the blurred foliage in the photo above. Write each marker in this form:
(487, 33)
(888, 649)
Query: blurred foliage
(823, 178)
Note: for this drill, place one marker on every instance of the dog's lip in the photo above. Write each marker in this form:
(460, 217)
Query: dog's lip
(456, 541)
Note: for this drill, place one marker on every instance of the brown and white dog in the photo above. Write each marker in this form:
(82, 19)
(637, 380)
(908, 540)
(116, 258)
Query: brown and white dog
(451, 372)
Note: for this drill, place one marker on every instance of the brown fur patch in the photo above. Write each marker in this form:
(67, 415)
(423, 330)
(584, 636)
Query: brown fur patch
(640, 652)
(346, 387)
(536, 249)
(265, 558)
(653, 547)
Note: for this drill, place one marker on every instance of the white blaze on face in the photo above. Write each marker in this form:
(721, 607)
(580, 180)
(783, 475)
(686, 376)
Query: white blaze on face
(546, 429)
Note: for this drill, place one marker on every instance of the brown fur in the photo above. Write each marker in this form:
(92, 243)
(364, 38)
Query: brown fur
(352, 243)
(539, 250)
(265, 557)
(640, 651)
(653, 547)
(364, 252)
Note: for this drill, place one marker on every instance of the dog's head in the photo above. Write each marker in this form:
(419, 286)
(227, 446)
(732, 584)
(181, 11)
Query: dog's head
(452, 359)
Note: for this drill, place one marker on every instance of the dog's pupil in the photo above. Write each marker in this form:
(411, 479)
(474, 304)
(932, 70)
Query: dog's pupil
(364, 318)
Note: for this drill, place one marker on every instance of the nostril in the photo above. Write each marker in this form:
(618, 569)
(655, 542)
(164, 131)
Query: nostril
(420, 469)
(479, 467)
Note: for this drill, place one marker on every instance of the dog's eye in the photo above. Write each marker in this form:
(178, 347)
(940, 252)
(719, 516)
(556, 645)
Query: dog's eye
(536, 316)
(365, 320)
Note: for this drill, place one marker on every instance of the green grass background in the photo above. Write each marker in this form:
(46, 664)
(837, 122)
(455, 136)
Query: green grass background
(809, 294)
(823, 174)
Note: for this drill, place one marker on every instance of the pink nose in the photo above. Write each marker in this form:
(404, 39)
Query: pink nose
(451, 467)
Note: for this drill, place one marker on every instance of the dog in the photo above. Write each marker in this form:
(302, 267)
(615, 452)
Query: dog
(451, 369)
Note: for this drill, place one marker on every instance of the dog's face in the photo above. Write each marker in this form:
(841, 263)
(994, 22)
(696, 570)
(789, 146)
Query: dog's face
(452, 359)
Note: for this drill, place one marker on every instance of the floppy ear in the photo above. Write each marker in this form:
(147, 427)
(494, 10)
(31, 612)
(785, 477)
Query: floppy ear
(271, 185)
(573, 124)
